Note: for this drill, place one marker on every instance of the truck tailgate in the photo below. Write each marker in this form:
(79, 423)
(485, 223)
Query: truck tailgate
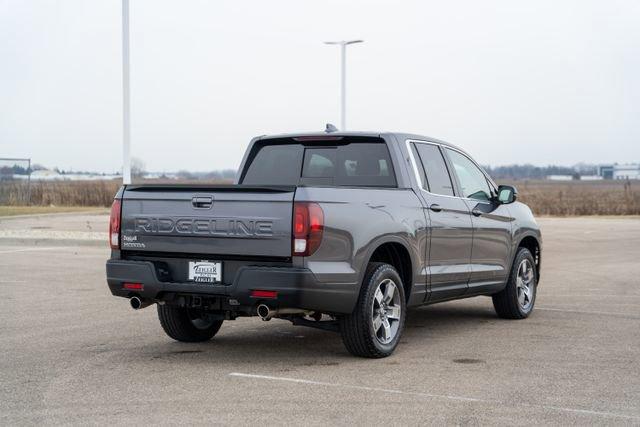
(226, 220)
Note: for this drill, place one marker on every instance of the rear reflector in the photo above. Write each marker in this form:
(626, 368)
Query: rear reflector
(133, 286)
(264, 294)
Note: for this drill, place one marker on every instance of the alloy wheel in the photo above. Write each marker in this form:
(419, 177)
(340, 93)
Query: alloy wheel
(386, 311)
(525, 285)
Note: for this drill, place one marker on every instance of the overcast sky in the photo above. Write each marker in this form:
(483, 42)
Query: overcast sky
(544, 82)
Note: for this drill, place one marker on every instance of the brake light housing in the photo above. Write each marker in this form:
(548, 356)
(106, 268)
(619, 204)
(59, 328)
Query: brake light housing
(114, 224)
(308, 226)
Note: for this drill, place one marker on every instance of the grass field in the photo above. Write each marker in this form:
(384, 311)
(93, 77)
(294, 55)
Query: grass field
(573, 198)
(59, 193)
(576, 198)
(37, 210)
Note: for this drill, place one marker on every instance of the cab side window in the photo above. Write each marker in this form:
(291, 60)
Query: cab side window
(435, 169)
(473, 183)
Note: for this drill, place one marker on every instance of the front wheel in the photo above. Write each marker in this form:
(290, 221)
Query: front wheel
(373, 329)
(516, 300)
(186, 324)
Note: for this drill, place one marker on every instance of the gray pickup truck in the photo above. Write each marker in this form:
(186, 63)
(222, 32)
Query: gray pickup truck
(340, 231)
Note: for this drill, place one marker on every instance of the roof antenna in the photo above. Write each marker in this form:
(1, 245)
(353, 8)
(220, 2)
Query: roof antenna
(330, 128)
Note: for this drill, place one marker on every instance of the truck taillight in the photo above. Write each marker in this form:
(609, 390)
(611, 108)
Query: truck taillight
(114, 224)
(308, 223)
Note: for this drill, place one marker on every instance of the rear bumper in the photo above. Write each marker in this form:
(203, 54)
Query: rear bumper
(296, 287)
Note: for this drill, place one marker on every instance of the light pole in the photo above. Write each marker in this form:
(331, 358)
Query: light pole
(343, 79)
(126, 112)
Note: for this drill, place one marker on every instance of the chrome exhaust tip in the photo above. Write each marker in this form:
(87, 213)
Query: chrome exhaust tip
(264, 312)
(137, 303)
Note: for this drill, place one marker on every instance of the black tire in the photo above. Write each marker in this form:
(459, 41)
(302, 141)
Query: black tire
(357, 328)
(187, 325)
(506, 301)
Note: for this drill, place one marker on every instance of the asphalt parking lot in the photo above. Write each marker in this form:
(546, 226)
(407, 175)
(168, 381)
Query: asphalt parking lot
(72, 353)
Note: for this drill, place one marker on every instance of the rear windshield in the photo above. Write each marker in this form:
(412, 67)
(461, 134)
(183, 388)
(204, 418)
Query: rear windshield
(343, 163)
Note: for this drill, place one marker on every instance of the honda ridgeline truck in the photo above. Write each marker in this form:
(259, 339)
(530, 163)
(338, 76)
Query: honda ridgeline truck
(341, 231)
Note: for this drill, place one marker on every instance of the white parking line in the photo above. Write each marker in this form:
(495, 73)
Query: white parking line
(602, 313)
(51, 248)
(433, 396)
(357, 387)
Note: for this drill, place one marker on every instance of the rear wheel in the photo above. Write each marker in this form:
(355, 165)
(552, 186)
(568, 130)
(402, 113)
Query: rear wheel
(187, 325)
(373, 329)
(517, 299)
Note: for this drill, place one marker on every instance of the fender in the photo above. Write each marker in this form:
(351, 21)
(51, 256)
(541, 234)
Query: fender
(517, 242)
(416, 261)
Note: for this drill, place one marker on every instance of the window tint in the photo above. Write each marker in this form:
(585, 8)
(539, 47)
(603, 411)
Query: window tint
(319, 163)
(473, 183)
(361, 164)
(364, 164)
(435, 169)
(275, 165)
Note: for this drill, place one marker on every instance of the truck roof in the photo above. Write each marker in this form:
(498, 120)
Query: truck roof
(400, 136)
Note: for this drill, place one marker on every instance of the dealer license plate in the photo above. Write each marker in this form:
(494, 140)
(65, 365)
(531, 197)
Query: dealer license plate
(205, 271)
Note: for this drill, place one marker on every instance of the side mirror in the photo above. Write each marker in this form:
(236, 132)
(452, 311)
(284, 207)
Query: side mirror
(507, 194)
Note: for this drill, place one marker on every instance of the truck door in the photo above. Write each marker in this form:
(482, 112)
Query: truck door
(490, 260)
(451, 229)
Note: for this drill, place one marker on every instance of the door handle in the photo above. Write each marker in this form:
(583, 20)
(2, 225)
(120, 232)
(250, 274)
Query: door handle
(435, 207)
(202, 202)
(476, 212)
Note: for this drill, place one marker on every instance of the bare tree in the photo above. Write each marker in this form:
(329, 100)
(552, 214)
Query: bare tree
(137, 168)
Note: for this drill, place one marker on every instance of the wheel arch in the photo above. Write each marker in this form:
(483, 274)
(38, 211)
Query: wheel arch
(532, 243)
(396, 253)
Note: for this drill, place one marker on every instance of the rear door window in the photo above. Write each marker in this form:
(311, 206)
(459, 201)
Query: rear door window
(435, 169)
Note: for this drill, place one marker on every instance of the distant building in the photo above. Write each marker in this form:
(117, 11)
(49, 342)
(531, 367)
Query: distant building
(628, 171)
(152, 175)
(560, 177)
(46, 175)
(591, 178)
(631, 171)
(606, 171)
(50, 175)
